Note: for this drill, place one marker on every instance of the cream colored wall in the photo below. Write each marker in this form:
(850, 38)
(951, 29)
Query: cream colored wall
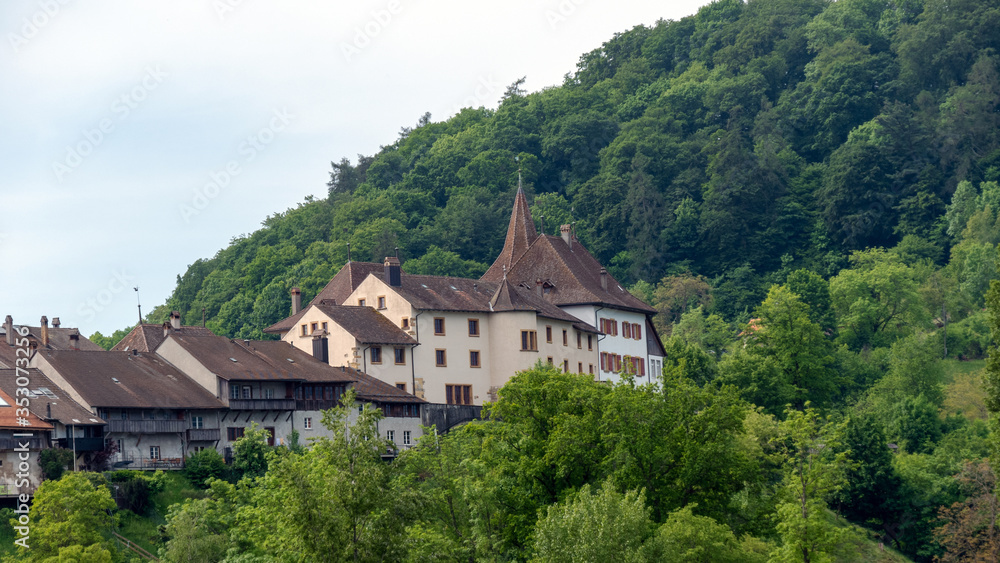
(396, 308)
(171, 351)
(457, 344)
(339, 339)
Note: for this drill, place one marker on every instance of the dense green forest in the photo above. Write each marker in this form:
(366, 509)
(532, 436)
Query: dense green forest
(807, 192)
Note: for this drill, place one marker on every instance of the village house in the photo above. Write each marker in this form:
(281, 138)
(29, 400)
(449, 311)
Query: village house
(568, 276)
(12, 430)
(73, 427)
(155, 413)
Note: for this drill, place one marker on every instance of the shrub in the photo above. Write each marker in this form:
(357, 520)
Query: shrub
(54, 462)
(204, 465)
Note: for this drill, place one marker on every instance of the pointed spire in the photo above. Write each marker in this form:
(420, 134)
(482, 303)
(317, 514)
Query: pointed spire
(520, 234)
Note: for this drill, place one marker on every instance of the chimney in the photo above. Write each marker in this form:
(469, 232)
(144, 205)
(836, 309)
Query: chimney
(48, 411)
(392, 274)
(55, 322)
(296, 300)
(45, 330)
(74, 340)
(175, 320)
(604, 279)
(567, 234)
(321, 349)
(538, 287)
(167, 329)
(8, 326)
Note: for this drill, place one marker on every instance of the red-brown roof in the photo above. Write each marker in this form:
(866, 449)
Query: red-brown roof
(366, 325)
(9, 419)
(372, 389)
(509, 297)
(336, 291)
(46, 393)
(255, 360)
(148, 337)
(520, 234)
(129, 380)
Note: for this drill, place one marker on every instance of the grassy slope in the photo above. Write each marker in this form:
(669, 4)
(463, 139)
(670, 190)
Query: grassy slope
(144, 530)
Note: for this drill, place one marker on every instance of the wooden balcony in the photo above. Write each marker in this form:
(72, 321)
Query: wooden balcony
(34, 444)
(147, 426)
(203, 434)
(262, 404)
(82, 444)
(315, 404)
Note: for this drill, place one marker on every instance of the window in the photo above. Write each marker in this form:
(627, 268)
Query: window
(361, 302)
(529, 340)
(474, 358)
(314, 326)
(565, 338)
(325, 329)
(565, 366)
(307, 423)
(458, 394)
(591, 369)
(590, 342)
(234, 433)
(247, 392)
(197, 422)
(234, 391)
(401, 386)
(579, 367)
(637, 331)
(548, 335)
(124, 415)
(390, 435)
(405, 323)
(406, 437)
(268, 393)
(399, 356)
(627, 330)
(473, 327)
(154, 452)
(376, 354)
(579, 341)
(381, 301)
(439, 326)
(440, 358)
(549, 359)
(305, 330)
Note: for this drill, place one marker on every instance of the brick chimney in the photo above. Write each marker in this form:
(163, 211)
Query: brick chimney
(55, 322)
(567, 234)
(74, 339)
(392, 271)
(604, 279)
(45, 330)
(8, 326)
(296, 300)
(175, 320)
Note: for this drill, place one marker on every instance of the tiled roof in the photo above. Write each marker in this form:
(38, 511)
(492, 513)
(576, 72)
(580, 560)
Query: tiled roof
(59, 339)
(9, 418)
(148, 337)
(366, 324)
(64, 408)
(340, 287)
(129, 380)
(573, 273)
(440, 293)
(256, 360)
(372, 389)
(509, 297)
(520, 234)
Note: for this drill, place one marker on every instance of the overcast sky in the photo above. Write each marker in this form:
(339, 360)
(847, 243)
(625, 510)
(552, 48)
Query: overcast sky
(141, 136)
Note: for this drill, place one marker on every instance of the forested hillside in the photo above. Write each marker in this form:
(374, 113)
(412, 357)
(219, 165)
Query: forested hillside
(808, 193)
(738, 144)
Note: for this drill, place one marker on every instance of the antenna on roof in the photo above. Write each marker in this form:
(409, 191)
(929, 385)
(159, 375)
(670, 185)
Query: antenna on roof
(397, 253)
(136, 288)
